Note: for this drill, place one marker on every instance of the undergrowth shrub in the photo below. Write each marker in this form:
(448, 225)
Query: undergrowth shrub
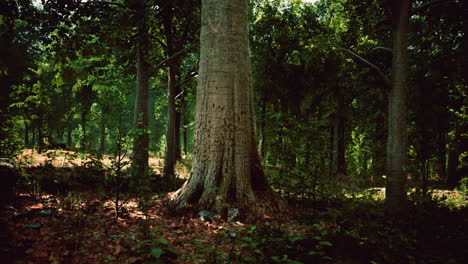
(267, 243)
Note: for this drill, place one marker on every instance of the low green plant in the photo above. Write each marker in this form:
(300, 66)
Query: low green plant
(155, 248)
(272, 244)
(463, 188)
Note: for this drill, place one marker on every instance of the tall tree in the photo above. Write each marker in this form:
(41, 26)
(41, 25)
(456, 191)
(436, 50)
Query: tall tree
(178, 31)
(399, 14)
(141, 141)
(226, 172)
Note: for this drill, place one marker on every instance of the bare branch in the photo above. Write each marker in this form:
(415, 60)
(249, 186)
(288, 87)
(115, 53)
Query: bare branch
(383, 48)
(193, 75)
(106, 3)
(177, 54)
(385, 79)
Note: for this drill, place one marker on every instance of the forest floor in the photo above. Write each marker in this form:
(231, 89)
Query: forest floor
(80, 226)
(53, 229)
(69, 158)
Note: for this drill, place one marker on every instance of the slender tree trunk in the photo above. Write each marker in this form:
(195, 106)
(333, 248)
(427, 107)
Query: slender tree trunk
(379, 150)
(141, 140)
(102, 141)
(170, 157)
(34, 138)
(84, 139)
(26, 134)
(178, 151)
(40, 135)
(173, 150)
(69, 135)
(226, 175)
(173, 117)
(339, 161)
(331, 169)
(442, 161)
(261, 143)
(453, 176)
(185, 136)
(396, 198)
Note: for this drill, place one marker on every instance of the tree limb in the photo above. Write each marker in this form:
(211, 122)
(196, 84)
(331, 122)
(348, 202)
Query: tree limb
(385, 79)
(383, 48)
(107, 3)
(175, 55)
(190, 77)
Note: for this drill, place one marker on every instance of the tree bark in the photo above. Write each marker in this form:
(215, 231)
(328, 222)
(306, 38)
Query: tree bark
(141, 140)
(173, 117)
(396, 198)
(170, 157)
(226, 173)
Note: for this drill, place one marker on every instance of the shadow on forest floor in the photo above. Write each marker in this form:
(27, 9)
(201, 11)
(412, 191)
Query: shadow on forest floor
(64, 215)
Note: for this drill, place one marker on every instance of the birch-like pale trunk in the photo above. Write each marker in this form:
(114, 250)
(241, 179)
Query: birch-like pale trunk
(226, 172)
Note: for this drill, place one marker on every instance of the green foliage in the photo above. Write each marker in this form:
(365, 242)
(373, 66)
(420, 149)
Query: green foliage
(267, 243)
(463, 188)
(10, 142)
(156, 249)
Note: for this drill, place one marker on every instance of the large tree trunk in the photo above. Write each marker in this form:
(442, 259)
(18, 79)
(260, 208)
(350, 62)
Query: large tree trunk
(226, 174)
(396, 198)
(141, 140)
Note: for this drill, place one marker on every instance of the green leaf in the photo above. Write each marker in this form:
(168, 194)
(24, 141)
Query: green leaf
(46, 212)
(143, 242)
(161, 240)
(290, 261)
(33, 226)
(325, 243)
(296, 238)
(157, 252)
